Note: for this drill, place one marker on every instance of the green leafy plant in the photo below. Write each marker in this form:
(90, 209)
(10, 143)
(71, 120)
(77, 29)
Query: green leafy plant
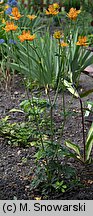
(60, 186)
(48, 64)
(22, 134)
(51, 175)
(36, 25)
(87, 145)
(26, 133)
(37, 61)
(78, 59)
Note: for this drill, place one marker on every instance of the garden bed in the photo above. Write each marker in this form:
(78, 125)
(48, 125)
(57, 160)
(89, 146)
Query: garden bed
(17, 163)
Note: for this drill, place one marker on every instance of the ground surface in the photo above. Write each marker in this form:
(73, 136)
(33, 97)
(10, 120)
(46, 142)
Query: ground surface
(15, 175)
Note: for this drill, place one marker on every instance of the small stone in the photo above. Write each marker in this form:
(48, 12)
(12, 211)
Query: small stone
(16, 93)
(19, 152)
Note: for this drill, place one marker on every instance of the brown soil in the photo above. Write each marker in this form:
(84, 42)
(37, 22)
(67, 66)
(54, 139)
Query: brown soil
(16, 175)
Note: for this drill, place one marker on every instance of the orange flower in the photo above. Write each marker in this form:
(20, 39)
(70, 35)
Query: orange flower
(26, 36)
(31, 17)
(63, 44)
(10, 27)
(57, 34)
(82, 41)
(16, 14)
(52, 10)
(73, 13)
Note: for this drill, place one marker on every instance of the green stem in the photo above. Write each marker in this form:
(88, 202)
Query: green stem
(83, 129)
(38, 128)
(36, 119)
(56, 93)
(31, 96)
(63, 94)
(49, 24)
(51, 115)
(39, 58)
(59, 63)
(32, 106)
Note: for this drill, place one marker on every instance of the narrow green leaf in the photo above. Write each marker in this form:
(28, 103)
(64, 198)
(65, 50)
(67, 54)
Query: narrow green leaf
(86, 93)
(17, 67)
(89, 147)
(87, 63)
(89, 142)
(73, 147)
(16, 110)
(71, 89)
(5, 119)
(89, 133)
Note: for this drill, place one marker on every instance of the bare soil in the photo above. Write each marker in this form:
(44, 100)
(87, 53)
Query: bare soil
(16, 175)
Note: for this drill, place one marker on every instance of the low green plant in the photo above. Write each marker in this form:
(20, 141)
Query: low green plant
(39, 104)
(22, 134)
(26, 132)
(86, 157)
(48, 155)
(51, 175)
(60, 186)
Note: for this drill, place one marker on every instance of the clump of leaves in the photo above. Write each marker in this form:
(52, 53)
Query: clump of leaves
(26, 133)
(35, 106)
(22, 134)
(48, 182)
(51, 175)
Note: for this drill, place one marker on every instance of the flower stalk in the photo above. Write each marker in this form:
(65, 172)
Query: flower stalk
(83, 129)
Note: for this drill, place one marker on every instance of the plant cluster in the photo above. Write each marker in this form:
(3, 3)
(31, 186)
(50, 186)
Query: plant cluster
(49, 61)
